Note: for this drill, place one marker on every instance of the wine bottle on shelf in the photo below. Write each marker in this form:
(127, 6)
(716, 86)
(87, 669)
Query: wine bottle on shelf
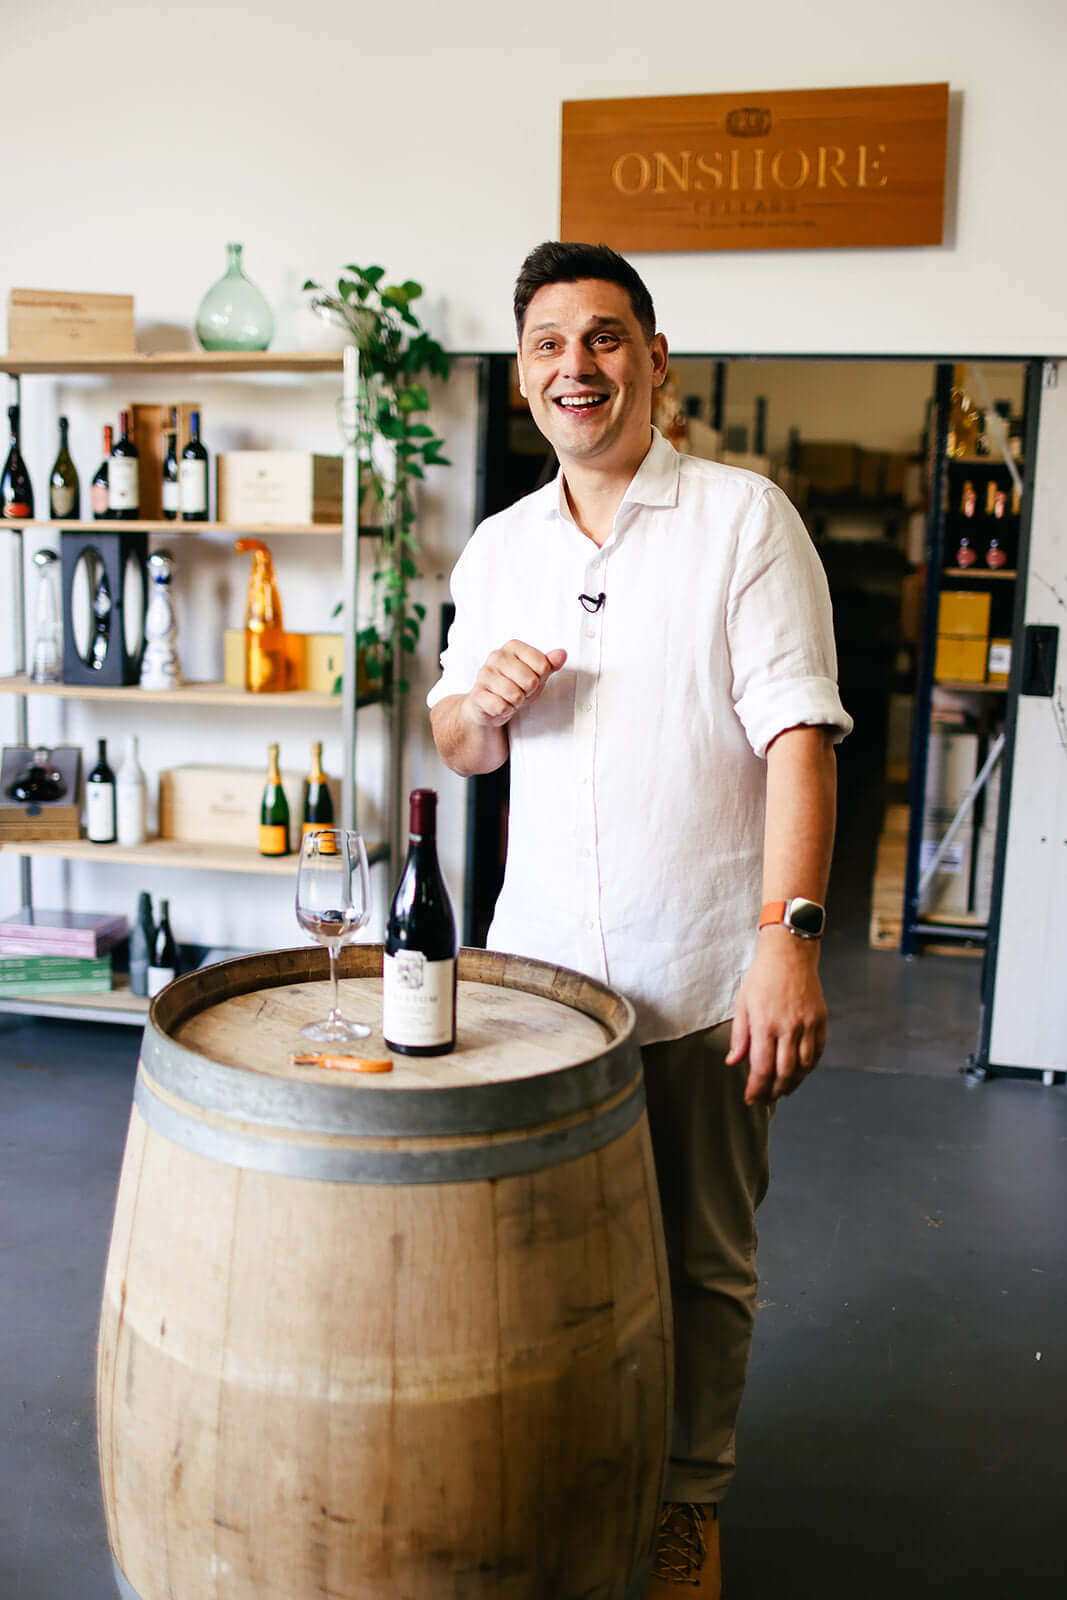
(124, 490)
(163, 967)
(100, 818)
(318, 801)
(273, 811)
(142, 942)
(193, 475)
(966, 554)
(99, 491)
(419, 965)
(996, 554)
(130, 797)
(16, 491)
(171, 493)
(64, 488)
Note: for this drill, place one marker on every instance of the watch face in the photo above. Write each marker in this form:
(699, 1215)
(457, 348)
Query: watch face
(806, 917)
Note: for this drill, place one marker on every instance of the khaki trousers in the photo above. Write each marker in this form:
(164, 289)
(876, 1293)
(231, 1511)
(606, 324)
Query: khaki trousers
(711, 1154)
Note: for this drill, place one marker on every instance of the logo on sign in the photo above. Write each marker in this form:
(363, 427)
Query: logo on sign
(748, 122)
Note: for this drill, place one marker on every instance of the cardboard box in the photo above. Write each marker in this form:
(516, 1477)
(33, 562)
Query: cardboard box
(316, 659)
(291, 487)
(220, 805)
(960, 660)
(949, 889)
(951, 768)
(964, 613)
(49, 322)
(829, 468)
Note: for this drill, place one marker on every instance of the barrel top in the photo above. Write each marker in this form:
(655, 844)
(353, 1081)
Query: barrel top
(515, 1018)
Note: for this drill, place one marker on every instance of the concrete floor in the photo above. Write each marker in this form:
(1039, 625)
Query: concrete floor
(902, 1431)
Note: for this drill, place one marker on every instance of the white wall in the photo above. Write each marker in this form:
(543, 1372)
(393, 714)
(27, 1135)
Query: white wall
(139, 140)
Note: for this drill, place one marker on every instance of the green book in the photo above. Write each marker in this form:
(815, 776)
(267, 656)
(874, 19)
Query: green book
(17, 968)
(53, 986)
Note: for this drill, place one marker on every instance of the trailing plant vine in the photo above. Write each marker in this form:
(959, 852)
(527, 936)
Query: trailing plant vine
(394, 443)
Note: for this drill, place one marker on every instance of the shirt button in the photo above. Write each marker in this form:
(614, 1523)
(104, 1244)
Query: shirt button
(590, 633)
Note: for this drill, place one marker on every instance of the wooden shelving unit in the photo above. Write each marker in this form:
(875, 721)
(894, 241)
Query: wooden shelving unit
(178, 855)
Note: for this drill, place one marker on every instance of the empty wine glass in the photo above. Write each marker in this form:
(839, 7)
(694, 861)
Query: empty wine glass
(332, 904)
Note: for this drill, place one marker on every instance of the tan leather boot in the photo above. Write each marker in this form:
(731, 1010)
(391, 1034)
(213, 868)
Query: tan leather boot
(686, 1562)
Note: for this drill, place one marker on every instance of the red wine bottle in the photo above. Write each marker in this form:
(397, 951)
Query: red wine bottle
(419, 968)
(192, 475)
(100, 814)
(16, 491)
(170, 477)
(98, 489)
(163, 962)
(124, 493)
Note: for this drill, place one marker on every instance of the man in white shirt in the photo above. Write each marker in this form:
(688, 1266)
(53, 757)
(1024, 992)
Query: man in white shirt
(649, 639)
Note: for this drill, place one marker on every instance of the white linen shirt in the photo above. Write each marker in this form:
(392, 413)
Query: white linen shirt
(637, 778)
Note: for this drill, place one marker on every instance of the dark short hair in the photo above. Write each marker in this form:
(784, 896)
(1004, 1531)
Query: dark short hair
(563, 261)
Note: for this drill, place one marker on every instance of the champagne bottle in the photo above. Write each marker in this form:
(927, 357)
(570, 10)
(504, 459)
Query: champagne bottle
(124, 490)
(163, 967)
(171, 498)
(130, 797)
(100, 819)
(64, 489)
(99, 492)
(16, 491)
(142, 941)
(192, 476)
(318, 801)
(273, 811)
(419, 967)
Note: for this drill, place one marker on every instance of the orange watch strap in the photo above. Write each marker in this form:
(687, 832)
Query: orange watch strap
(773, 912)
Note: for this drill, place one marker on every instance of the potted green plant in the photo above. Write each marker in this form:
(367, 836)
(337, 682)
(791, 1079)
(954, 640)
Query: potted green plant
(395, 445)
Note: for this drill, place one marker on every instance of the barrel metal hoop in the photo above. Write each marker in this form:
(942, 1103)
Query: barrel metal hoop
(469, 1163)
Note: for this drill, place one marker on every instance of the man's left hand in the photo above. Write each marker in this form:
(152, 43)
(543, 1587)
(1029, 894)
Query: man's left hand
(780, 1017)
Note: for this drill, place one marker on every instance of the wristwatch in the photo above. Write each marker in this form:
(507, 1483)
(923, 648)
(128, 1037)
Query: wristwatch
(806, 919)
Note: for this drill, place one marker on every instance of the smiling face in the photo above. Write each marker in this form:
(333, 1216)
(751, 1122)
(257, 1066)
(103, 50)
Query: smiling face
(588, 372)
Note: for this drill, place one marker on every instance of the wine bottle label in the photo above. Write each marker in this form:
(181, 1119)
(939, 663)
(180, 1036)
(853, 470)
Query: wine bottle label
(193, 487)
(62, 500)
(123, 485)
(170, 494)
(100, 499)
(273, 839)
(100, 812)
(159, 977)
(417, 999)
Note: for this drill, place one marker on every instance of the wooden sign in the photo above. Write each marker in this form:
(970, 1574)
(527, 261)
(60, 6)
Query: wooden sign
(797, 170)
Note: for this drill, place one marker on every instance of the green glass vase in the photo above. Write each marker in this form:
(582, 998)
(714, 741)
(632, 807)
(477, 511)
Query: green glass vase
(234, 314)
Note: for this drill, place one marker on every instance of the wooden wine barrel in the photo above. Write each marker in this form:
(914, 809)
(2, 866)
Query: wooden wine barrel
(402, 1337)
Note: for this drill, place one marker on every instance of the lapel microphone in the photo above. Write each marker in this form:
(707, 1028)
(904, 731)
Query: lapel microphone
(593, 602)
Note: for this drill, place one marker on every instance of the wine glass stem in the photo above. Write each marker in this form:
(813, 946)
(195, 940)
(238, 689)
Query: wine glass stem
(335, 1013)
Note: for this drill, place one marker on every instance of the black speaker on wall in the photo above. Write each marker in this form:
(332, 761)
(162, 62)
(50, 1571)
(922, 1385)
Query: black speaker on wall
(105, 586)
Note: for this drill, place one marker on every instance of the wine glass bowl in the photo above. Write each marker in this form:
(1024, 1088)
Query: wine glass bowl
(332, 904)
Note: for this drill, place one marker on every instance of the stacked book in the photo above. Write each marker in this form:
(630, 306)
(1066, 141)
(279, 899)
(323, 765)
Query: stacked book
(45, 952)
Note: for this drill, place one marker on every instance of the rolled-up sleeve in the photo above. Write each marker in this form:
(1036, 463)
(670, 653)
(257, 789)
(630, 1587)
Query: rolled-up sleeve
(780, 628)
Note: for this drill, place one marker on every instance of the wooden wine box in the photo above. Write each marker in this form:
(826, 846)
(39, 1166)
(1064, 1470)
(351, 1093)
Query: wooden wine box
(288, 487)
(220, 805)
(49, 322)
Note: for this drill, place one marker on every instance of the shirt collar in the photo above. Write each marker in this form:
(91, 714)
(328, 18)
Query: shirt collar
(655, 483)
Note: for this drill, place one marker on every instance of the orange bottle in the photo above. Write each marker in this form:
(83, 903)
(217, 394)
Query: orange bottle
(266, 664)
